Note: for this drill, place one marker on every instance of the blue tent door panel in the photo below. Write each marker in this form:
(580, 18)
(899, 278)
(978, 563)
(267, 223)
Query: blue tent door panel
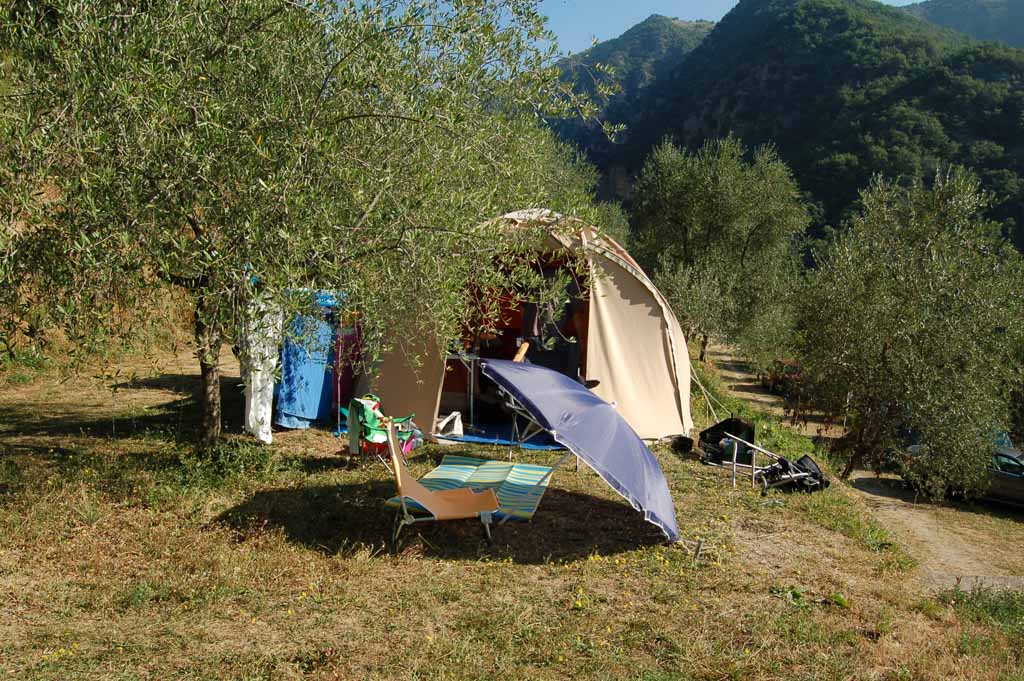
(305, 394)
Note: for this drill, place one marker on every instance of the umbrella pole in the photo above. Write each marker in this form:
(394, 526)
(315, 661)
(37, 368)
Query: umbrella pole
(558, 464)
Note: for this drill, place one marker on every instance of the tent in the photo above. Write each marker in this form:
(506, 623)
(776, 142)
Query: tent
(309, 389)
(633, 345)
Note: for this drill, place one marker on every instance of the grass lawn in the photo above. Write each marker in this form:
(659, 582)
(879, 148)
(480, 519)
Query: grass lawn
(123, 557)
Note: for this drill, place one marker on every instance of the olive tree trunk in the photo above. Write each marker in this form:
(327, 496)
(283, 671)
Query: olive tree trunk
(208, 344)
(856, 458)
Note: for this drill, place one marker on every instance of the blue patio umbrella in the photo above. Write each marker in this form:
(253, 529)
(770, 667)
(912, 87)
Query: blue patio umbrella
(592, 430)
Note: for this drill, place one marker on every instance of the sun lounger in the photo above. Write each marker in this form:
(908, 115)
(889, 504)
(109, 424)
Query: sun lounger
(465, 487)
(454, 503)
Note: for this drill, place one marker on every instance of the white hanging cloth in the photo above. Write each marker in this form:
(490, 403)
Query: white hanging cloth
(261, 335)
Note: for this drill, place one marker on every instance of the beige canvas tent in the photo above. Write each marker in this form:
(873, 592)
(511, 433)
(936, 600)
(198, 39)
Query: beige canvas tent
(634, 346)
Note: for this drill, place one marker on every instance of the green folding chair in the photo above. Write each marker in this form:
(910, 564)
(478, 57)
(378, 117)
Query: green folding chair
(367, 432)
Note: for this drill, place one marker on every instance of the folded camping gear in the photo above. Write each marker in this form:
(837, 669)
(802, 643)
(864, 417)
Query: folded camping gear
(716, 451)
(802, 475)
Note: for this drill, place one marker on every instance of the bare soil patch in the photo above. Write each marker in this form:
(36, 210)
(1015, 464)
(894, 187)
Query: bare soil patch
(957, 544)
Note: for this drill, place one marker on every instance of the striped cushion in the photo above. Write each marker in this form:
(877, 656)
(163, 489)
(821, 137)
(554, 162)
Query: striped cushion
(515, 484)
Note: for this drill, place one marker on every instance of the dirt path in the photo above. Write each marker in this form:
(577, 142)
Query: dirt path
(744, 383)
(955, 544)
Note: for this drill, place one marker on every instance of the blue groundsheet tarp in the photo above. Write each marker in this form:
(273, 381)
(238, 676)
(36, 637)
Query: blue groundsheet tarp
(502, 436)
(593, 431)
(305, 394)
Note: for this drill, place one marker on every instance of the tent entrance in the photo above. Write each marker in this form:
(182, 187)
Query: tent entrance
(557, 337)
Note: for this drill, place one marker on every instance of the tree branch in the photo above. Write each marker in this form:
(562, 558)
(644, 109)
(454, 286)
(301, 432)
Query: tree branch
(369, 209)
(353, 117)
(255, 25)
(330, 72)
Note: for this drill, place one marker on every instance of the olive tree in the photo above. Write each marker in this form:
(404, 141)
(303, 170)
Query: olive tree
(1017, 414)
(720, 232)
(187, 146)
(910, 324)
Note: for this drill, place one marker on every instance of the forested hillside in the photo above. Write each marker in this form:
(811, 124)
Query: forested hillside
(630, 64)
(845, 89)
(998, 20)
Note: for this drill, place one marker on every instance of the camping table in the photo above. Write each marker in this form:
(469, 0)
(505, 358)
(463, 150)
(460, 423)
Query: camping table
(470, 361)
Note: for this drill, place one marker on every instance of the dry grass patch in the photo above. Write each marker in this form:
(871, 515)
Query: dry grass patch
(123, 557)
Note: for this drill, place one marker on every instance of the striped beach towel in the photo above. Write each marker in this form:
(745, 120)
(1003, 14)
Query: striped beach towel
(515, 484)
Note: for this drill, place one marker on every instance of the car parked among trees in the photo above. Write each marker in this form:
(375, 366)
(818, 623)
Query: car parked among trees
(1006, 473)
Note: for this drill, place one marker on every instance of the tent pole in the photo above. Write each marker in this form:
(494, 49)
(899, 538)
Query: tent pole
(735, 451)
(754, 467)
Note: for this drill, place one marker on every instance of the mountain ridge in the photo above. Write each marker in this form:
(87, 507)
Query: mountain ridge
(641, 56)
(845, 89)
(989, 20)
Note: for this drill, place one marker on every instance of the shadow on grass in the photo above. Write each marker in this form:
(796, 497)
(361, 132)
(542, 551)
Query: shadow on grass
(993, 508)
(184, 384)
(886, 488)
(754, 388)
(343, 519)
(733, 365)
(177, 419)
(323, 464)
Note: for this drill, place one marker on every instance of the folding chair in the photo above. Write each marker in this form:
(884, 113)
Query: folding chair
(448, 504)
(803, 474)
(367, 432)
(465, 487)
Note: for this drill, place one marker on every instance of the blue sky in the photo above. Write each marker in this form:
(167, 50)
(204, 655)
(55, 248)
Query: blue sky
(578, 22)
